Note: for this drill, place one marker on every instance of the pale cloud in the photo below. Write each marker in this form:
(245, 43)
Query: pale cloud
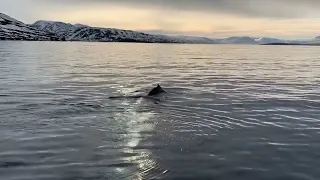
(249, 8)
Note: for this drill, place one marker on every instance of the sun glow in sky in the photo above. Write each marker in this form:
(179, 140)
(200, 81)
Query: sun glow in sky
(213, 18)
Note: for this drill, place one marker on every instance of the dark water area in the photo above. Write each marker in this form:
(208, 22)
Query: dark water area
(232, 112)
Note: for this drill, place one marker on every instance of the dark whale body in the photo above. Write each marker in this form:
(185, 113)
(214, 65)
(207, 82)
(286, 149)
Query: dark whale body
(155, 91)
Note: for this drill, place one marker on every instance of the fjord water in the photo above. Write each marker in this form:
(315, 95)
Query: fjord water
(231, 112)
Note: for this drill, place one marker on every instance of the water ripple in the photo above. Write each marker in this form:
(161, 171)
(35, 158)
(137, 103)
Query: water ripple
(231, 112)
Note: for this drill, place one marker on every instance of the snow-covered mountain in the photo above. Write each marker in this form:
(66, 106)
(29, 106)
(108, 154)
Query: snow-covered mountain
(114, 35)
(4, 19)
(119, 35)
(12, 29)
(79, 32)
(61, 29)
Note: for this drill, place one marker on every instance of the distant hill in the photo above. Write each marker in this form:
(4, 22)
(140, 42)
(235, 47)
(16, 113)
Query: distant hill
(264, 40)
(238, 40)
(249, 40)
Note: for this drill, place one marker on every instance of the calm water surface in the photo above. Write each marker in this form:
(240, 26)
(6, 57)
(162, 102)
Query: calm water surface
(232, 112)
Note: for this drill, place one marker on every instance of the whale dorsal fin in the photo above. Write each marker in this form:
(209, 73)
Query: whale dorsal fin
(156, 90)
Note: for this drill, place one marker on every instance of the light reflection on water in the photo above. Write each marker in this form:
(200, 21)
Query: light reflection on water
(136, 122)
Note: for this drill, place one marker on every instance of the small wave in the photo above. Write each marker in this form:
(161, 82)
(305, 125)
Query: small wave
(12, 164)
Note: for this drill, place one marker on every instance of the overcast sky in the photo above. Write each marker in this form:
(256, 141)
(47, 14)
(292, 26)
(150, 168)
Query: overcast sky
(214, 18)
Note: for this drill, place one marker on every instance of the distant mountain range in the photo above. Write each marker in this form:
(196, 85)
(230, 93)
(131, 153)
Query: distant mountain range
(12, 29)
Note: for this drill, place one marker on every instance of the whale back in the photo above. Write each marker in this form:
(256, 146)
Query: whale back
(155, 91)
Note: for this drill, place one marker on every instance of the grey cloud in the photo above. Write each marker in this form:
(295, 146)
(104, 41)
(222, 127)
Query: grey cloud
(250, 8)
